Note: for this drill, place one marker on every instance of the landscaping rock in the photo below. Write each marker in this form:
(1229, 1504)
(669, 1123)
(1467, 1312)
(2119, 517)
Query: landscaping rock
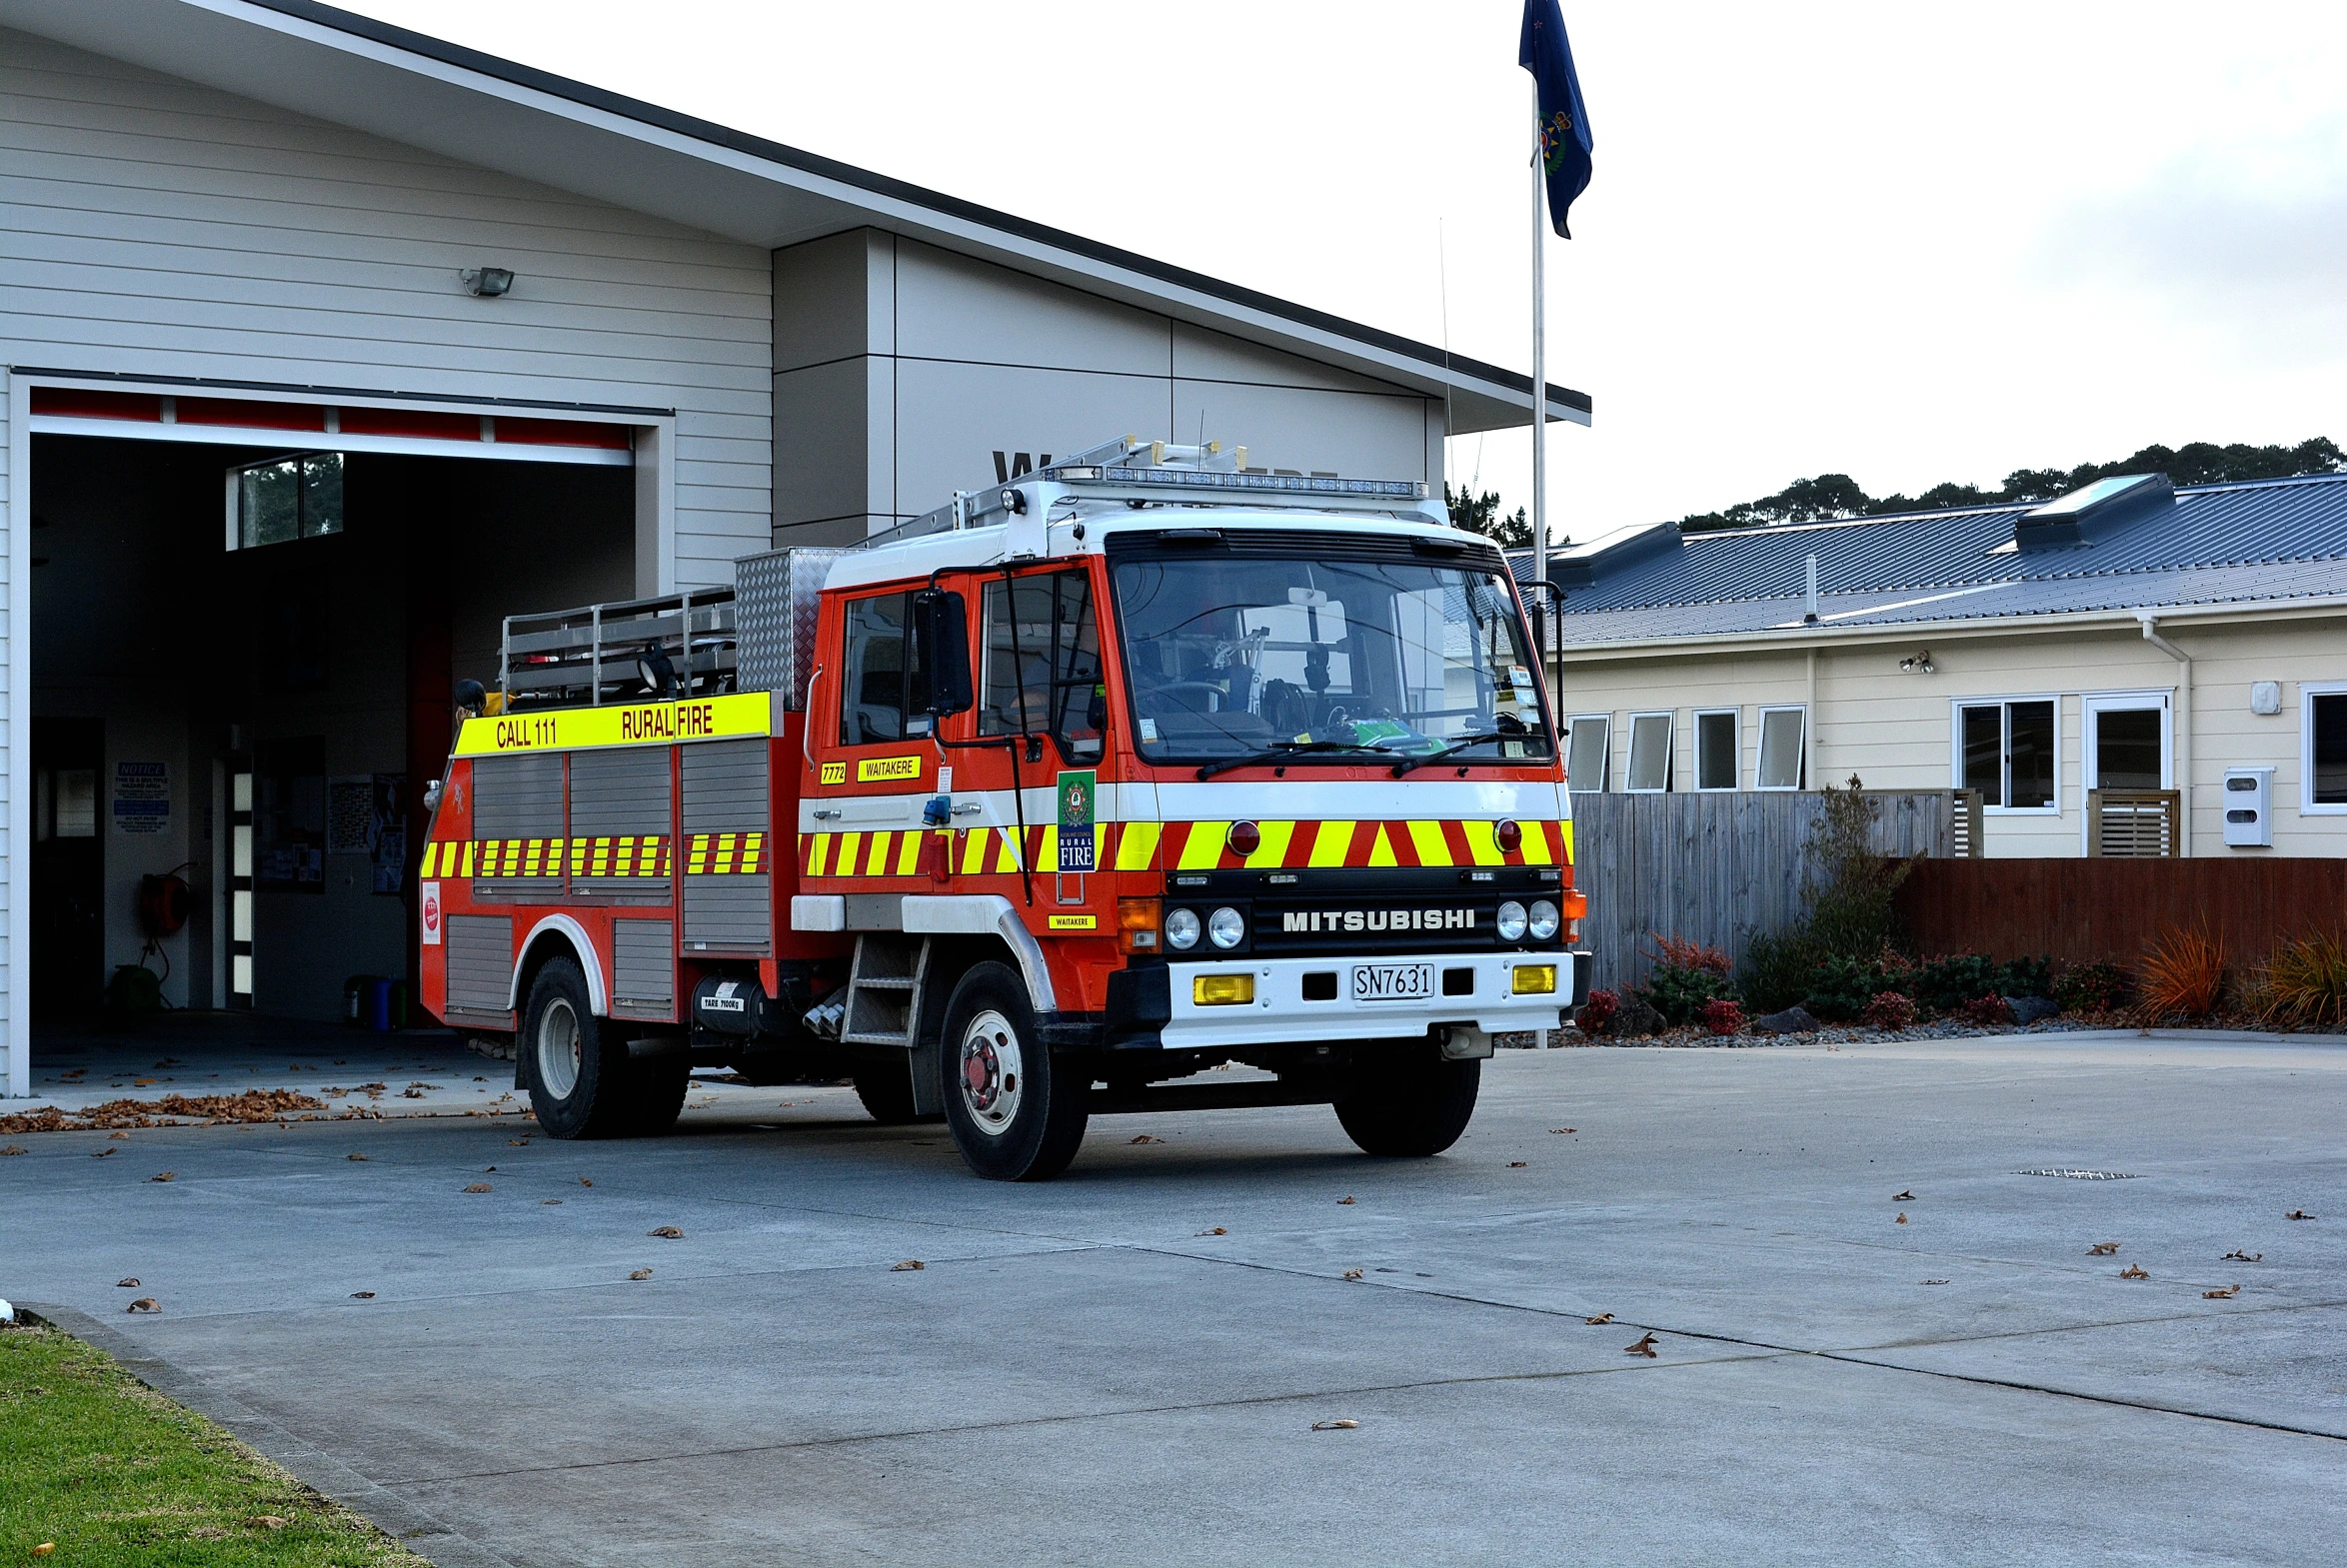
(1637, 1018)
(2033, 1009)
(1793, 1020)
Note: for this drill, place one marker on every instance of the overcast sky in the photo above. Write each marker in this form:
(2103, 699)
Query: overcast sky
(1907, 243)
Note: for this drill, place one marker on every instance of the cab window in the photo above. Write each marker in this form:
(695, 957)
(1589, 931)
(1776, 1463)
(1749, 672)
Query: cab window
(1043, 663)
(882, 688)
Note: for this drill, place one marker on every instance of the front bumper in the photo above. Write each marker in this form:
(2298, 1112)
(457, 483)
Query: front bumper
(1281, 1015)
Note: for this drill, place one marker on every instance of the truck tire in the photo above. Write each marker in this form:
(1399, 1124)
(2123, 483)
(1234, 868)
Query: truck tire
(580, 1086)
(1411, 1107)
(655, 1093)
(887, 1091)
(1015, 1114)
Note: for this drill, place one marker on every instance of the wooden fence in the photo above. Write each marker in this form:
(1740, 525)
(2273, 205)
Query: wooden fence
(1714, 867)
(2088, 910)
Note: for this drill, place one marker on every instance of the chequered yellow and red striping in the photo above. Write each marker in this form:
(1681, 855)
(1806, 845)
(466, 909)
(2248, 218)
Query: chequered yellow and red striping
(1144, 846)
(648, 855)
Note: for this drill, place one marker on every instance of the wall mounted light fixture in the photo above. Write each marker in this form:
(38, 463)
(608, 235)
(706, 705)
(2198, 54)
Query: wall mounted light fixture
(1918, 663)
(487, 282)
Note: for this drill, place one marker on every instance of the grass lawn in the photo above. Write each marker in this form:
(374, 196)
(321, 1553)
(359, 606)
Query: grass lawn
(112, 1473)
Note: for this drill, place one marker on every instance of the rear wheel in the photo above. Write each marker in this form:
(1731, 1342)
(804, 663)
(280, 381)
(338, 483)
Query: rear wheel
(887, 1091)
(1409, 1106)
(579, 1080)
(657, 1093)
(1017, 1115)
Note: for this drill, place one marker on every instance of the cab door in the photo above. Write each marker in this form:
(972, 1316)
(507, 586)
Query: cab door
(1042, 700)
(876, 759)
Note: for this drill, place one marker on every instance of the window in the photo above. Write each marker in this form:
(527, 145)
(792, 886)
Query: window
(1650, 754)
(1717, 762)
(2126, 741)
(286, 499)
(1783, 732)
(1586, 758)
(1043, 664)
(2006, 751)
(881, 692)
(2322, 768)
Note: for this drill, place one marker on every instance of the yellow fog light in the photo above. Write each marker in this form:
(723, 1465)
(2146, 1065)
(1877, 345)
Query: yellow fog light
(1534, 979)
(1232, 991)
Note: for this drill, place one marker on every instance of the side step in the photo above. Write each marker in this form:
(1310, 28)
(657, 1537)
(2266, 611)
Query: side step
(884, 991)
(1215, 1096)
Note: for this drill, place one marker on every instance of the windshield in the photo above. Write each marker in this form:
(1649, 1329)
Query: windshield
(1232, 654)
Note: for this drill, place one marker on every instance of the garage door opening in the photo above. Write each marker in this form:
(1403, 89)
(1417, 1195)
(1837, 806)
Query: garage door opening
(241, 665)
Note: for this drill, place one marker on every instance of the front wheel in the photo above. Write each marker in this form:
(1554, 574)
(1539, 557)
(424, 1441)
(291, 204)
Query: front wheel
(1017, 1115)
(1409, 1106)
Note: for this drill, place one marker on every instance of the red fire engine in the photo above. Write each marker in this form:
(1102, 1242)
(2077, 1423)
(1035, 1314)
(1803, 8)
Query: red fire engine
(1051, 803)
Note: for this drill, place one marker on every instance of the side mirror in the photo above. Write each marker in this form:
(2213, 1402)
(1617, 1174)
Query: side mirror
(941, 653)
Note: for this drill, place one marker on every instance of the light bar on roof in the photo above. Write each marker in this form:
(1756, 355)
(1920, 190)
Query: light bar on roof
(1196, 479)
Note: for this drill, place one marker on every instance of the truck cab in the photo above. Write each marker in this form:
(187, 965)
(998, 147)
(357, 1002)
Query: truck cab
(1145, 781)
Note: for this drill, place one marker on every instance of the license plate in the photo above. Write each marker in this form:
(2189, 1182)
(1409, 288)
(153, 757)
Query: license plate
(1392, 981)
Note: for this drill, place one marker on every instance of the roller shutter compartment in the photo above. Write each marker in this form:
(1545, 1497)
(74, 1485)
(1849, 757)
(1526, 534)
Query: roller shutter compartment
(729, 909)
(517, 807)
(644, 969)
(621, 818)
(480, 962)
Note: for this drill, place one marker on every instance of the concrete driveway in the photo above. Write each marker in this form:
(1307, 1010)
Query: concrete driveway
(1086, 1372)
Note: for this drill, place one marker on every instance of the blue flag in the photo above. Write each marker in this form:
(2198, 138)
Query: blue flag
(1564, 123)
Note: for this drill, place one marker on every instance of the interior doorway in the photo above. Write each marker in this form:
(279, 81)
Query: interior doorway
(69, 870)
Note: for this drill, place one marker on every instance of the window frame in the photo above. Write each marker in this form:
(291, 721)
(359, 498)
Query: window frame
(1604, 783)
(2308, 690)
(1736, 748)
(1670, 718)
(2004, 704)
(1053, 724)
(1800, 750)
(907, 716)
(300, 462)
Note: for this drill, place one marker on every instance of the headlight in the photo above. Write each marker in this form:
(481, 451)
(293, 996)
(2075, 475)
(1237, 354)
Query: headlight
(1512, 921)
(1181, 929)
(1543, 920)
(1226, 926)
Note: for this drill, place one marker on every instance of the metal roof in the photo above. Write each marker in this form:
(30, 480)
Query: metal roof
(2219, 544)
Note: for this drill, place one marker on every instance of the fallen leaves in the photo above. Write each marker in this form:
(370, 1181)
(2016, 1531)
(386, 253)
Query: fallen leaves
(164, 1175)
(1603, 1317)
(1346, 1425)
(2102, 1249)
(477, 1186)
(1903, 1198)
(1902, 1219)
(583, 1181)
(144, 1304)
(1516, 1164)
(2134, 1271)
(361, 1295)
(1564, 1129)
(666, 1232)
(118, 1136)
(520, 1143)
(354, 1157)
(2239, 1256)
(547, 1202)
(2298, 1214)
(1935, 1281)
(12, 1148)
(1145, 1139)
(102, 1153)
(639, 1273)
(1353, 1273)
(132, 1283)
(1645, 1347)
(909, 1265)
(44, 1549)
(2226, 1295)
(251, 1105)
(1347, 1198)
(1219, 1230)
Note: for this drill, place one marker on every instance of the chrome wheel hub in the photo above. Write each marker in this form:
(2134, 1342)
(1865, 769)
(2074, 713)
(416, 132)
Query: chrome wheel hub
(993, 1073)
(557, 1049)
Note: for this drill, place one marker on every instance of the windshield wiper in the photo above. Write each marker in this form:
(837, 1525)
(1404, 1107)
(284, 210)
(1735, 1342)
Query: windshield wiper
(1285, 751)
(1412, 763)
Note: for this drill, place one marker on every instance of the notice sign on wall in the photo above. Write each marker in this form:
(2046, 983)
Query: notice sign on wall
(142, 798)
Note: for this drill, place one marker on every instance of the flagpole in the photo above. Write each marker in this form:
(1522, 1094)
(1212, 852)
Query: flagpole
(1539, 390)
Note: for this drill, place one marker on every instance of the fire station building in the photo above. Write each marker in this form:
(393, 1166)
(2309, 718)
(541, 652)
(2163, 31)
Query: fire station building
(326, 346)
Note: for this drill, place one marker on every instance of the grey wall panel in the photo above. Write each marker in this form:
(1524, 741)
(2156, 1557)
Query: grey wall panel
(952, 307)
(644, 965)
(726, 787)
(728, 915)
(952, 418)
(480, 961)
(1358, 434)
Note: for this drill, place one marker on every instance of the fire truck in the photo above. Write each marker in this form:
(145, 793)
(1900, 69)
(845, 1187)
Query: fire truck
(1147, 781)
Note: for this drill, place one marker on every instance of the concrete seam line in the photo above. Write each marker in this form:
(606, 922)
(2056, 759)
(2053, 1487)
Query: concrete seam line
(395, 1515)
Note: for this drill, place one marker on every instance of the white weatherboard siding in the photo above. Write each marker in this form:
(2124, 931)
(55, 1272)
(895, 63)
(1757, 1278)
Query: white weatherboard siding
(1893, 729)
(156, 228)
(159, 227)
(902, 371)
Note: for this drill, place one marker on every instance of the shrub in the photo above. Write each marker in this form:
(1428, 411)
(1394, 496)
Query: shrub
(1776, 969)
(2183, 976)
(1686, 975)
(2090, 987)
(1987, 1010)
(1840, 987)
(2027, 978)
(1889, 1010)
(2305, 983)
(1849, 884)
(1598, 1012)
(1945, 984)
(1723, 1016)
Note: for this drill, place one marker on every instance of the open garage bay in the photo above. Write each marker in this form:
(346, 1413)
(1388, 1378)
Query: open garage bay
(1127, 1364)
